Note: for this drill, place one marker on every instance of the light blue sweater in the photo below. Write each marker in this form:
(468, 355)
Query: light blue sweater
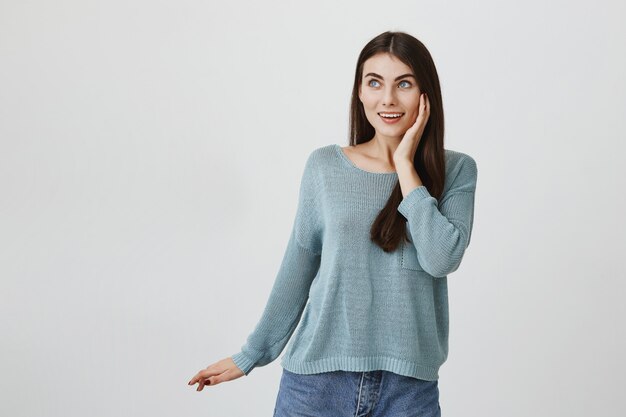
(359, 308)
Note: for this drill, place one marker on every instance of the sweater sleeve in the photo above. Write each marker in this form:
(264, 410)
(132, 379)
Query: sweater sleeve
(441, 232)
(290, 291)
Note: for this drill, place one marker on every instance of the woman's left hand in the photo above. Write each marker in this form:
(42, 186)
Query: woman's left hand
(408, 145)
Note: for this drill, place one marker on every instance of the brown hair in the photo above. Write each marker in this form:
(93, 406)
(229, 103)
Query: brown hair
(389, 228)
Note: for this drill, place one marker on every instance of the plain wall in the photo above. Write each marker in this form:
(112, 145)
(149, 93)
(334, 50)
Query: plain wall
(150, 158)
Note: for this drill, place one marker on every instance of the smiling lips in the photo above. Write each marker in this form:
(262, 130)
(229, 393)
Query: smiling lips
(390, 117)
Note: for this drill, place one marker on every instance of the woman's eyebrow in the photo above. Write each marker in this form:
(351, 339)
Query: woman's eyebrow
(373, 74)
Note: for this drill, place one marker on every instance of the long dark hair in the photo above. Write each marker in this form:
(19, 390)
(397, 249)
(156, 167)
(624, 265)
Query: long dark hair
(389, 228)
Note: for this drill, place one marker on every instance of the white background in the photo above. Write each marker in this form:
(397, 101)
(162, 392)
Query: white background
(150, 158)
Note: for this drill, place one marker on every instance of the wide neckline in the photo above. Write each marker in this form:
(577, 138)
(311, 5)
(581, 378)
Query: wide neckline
(351, 164)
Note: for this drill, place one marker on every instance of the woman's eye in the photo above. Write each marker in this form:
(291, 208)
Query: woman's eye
(401, 82)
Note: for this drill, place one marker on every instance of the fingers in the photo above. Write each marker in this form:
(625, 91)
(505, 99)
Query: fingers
(202, 378)
(204, 382)
(221, 371)
(210, 377)
(197, 376)
(424, 106)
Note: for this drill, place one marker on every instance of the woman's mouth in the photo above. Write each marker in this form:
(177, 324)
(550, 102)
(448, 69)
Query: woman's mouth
(391, 118)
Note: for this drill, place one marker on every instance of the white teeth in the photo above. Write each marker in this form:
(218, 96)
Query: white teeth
(391, 115)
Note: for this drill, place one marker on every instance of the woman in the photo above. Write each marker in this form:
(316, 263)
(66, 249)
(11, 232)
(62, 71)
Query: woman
(379, 226)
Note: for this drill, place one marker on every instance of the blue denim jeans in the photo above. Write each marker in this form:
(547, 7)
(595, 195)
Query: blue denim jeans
(356, 394)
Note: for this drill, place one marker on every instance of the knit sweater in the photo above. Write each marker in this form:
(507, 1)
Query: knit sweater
(358, 307)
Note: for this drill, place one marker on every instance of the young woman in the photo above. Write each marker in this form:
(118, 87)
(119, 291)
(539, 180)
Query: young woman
(379, 226)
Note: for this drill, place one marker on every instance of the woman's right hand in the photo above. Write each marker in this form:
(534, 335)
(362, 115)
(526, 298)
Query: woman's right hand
(216, 373)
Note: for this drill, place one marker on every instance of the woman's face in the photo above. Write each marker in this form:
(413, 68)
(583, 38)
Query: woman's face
(389, 86)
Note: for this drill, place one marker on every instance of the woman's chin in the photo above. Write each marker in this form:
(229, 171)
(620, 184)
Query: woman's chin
(392, 130)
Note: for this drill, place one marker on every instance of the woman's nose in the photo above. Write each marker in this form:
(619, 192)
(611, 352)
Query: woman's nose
(389, 96)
